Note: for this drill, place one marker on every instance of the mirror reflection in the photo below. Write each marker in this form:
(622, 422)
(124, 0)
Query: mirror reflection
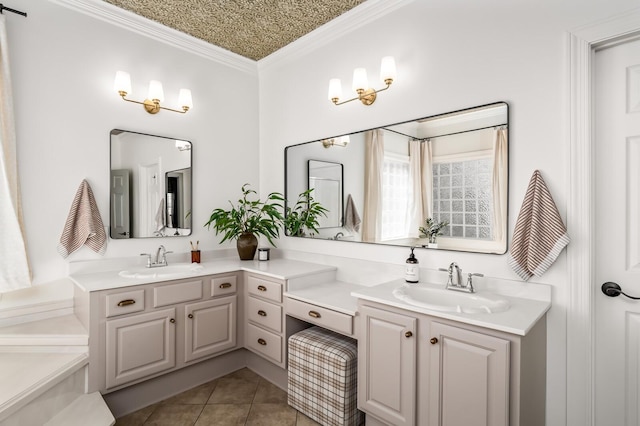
(150, 188)
(450, 168)
(325, 178)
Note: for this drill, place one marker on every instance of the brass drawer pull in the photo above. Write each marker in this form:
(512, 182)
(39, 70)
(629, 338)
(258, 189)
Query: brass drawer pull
(262, 342)
(434, 340)
(172, 321)
(408, 334)
(262, 288)
(190, 316)
(314, 314)
(126, 302)
(262, 313)
(225, 285)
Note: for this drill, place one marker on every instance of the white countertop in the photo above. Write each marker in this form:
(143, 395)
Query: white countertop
(277, 268)
(522, 315)
(334, 295)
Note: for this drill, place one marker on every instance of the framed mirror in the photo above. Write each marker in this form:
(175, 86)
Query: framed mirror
(150, 187)
(325, 178)
(450, 168)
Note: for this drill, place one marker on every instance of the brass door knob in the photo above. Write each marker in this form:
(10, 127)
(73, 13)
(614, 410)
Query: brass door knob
(172, 321)
(408, 334)
(434, 340)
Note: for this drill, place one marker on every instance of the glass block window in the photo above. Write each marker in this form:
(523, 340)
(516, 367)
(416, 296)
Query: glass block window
(395, 197)
(462, 195)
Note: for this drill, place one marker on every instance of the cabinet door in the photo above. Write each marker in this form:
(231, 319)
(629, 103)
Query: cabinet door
(387, 366)
(210, 327)
(139, 346)
(469, 378)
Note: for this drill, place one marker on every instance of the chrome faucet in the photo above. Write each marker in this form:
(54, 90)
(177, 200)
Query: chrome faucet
(338, 235)
(459, 285)
(160, 261)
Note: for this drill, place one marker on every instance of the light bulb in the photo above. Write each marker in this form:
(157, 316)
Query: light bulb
(122, 82)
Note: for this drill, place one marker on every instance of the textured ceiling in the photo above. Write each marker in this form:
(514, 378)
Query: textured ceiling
(250, 28)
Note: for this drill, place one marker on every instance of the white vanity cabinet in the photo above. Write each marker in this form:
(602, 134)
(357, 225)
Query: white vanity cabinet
(387, 365)
(415, 369)
(147, 330)
(265, 319)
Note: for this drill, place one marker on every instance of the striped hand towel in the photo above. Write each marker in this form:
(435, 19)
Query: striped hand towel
(540, 234)
(351, 217)
(84, 224)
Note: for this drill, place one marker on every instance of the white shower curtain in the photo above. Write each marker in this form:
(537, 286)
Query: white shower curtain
(373, 163)
(14, 265)
(499, 182)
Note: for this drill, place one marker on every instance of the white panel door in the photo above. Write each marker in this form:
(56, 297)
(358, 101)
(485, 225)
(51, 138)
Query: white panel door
(140, 345)
(210, 327)
(617, 222)
(468, 378)
(387, 366)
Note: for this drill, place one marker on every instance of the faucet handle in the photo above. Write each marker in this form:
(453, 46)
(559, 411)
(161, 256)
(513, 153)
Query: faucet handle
(148, 258)
(470, 281)
(444, 269)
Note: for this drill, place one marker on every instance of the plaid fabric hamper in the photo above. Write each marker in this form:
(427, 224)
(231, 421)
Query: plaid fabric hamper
(322, 377)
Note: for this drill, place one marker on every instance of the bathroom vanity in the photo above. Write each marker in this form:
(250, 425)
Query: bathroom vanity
(425, 356)
(421, 367)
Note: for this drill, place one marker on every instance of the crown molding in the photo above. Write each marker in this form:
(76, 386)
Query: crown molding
(111, 14)
(349, 21)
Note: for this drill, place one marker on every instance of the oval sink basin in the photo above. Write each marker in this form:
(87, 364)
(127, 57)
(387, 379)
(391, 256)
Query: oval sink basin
(439, 299)
(161, 271)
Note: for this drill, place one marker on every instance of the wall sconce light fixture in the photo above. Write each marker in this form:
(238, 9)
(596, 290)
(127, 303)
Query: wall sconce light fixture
(156, 95)
(360, 85)
(342, 141)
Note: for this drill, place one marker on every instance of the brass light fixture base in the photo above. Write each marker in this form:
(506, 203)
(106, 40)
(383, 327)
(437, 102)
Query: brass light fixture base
(151, 107)
(368, 96)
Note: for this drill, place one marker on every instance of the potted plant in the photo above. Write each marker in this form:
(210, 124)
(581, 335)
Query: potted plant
(432, 230)
(248, 218)
(302, 217)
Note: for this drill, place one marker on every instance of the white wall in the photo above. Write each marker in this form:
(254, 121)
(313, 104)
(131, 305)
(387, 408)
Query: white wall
(450, 55)
(63, 65)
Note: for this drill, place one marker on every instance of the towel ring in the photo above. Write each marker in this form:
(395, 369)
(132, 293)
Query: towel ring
(614, 290)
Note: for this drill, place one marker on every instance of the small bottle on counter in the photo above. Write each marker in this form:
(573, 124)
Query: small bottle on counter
(263, 254)
(412, 270)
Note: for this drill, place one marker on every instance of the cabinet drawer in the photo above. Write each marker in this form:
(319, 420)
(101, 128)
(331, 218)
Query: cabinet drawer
(124, 303)
(223, 285)
(337, 321)
(263, 288)
(264, 313)
(264, 343)
(176, 293)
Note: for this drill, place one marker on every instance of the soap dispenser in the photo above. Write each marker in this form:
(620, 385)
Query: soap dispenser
(412, 271)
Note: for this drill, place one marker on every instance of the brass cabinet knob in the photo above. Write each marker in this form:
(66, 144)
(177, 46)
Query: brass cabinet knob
(434, 340)
(190, 316)
(225, 285)
(262, 342)
(262, 288)
(126, 302)
(262, 313)
(172, 321)
(408, 334)
(314, 314)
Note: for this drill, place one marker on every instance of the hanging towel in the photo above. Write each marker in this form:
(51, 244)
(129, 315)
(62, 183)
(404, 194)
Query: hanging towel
(540, 234)
(84, 224)
(351, 217)
(160, 222)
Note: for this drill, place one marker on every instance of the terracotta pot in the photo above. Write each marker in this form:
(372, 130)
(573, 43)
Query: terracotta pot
(247, 245)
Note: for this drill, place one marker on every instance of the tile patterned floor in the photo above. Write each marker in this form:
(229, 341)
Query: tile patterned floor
(239, 398)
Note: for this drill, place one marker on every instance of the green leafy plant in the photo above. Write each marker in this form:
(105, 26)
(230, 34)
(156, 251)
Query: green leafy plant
(249, 215)
(432, 229)
(302, 217)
